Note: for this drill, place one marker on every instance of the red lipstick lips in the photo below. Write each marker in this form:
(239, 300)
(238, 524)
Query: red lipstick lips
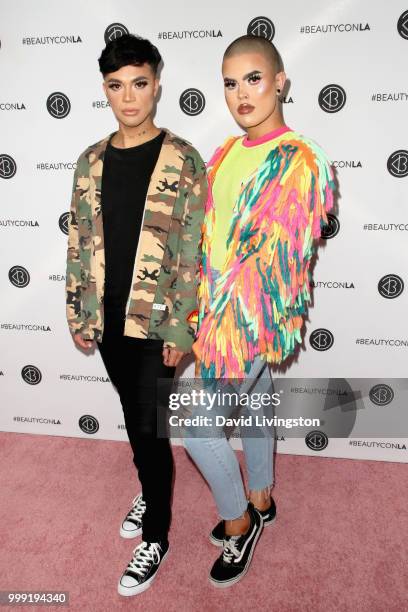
(245, 109)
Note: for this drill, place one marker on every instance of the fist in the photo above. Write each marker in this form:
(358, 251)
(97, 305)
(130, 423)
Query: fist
(171, 356)
(82, 343)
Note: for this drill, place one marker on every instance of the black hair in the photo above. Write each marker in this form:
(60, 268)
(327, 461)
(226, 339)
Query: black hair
(128, 50)
(248, 43)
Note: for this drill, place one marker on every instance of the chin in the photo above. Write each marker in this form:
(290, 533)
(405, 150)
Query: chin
(247, 122)
(131, 122)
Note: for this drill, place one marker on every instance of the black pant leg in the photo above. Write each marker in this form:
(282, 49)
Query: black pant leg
(134, 366)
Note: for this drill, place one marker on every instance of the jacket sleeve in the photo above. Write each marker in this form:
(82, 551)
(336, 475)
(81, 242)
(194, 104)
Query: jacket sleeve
(181, 331)
(314, 177)
(73, 270)
(320, 202)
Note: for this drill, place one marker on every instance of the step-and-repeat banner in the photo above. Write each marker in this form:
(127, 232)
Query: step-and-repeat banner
(347, 89)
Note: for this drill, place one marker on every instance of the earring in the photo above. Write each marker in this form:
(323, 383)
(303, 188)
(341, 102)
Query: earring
(278, 91)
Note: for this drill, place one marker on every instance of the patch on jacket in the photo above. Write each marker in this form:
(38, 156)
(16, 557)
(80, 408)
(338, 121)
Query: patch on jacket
(192, 317)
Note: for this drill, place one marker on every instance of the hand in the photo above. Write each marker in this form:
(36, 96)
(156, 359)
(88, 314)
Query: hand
(171, 356)
(82, 343)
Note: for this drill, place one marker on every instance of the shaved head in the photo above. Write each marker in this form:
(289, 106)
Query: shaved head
(256, 44)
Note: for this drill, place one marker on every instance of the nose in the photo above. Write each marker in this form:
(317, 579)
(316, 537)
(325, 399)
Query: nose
(128, 93)
(241, 92)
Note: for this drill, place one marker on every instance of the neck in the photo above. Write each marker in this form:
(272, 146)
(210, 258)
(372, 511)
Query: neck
(127, 137)
(269, 125)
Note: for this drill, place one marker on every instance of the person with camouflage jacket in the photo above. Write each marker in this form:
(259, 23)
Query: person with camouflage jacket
(132, 274)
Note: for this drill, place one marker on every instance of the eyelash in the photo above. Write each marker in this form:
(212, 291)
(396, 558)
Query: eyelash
(253, 80)
(138, 85)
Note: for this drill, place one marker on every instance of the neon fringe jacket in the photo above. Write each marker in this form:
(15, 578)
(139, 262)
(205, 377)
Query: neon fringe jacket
(258, 303)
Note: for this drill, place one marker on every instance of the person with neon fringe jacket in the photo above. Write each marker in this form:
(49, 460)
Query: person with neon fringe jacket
(269, 193)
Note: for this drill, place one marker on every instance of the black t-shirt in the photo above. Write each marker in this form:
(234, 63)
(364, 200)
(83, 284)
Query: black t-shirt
(125, 180)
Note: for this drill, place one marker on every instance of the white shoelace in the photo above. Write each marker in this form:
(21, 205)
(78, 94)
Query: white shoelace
(139, 507)
(230, 550)
(143, 556)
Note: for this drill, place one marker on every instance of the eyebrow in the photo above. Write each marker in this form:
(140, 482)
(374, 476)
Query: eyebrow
(246, 76)
(135, 80)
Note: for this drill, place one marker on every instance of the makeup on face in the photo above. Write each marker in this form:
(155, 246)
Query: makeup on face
(245, 109)
(250, 90)
(243, 89)
(252, 78)
(131, 91)
(116, 84)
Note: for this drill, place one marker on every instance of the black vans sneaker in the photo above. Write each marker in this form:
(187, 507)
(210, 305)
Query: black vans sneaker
(143, 568)
(236, 557)
(132, 523)
(218, 533)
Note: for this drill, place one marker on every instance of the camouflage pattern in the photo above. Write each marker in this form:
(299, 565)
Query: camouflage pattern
(165, 277)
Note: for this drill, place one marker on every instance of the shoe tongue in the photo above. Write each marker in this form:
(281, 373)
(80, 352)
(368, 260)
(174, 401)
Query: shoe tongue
(232, 538)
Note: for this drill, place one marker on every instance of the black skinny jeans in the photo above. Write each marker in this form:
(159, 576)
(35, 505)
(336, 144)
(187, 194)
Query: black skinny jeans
(133, 366)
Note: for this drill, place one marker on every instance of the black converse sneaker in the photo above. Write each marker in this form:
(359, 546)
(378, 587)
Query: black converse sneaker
(132, 523)
(268, 517)
(143, 568)
(236, 557)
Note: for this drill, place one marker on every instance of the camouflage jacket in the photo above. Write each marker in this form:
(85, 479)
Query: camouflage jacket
(165, 276)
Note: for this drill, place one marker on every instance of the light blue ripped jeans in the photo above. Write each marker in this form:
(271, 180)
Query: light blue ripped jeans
(218, 462)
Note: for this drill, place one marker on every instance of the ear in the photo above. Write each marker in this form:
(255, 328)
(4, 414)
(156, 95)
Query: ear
(105, 89)
(280, 79)
(156, 86)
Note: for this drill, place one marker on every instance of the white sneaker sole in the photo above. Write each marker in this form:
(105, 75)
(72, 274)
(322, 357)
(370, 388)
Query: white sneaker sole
(129, 535)
(219, 543)
(224, 585)
(139, 588)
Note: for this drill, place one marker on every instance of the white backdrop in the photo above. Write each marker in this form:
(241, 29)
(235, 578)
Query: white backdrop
(346, 63)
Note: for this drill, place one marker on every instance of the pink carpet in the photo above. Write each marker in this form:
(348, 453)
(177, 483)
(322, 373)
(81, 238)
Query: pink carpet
(340, 542)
